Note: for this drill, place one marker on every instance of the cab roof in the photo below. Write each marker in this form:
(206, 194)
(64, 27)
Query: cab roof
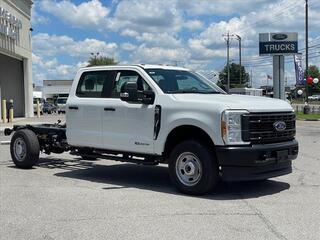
(144, 66)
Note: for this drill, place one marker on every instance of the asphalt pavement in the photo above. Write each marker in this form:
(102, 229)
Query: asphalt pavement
(68, 198)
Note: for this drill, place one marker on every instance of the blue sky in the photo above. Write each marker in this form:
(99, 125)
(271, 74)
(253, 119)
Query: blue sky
(164, 32)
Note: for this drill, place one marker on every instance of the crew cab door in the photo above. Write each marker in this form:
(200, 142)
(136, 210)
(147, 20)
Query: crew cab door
(85, 108)
(127, 126)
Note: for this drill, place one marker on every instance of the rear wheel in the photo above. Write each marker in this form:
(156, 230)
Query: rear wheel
(193, 168)
(25, 148)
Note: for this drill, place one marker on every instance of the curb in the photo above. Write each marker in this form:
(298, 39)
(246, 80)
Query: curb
(309, 120)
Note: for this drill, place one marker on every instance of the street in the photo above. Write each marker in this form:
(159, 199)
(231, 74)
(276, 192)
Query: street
(68, 198)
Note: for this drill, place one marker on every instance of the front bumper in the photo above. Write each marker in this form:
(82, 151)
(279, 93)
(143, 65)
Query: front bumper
(256, 162)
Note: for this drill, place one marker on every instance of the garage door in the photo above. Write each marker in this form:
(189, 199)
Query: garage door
(12, 84)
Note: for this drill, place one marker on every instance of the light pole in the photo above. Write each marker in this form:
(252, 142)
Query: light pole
(95, 55)
(307, 49)
(240, 77)
(227, 39)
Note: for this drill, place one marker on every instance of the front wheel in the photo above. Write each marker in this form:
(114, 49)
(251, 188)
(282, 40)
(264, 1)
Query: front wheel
(193, 168)
(25, 148)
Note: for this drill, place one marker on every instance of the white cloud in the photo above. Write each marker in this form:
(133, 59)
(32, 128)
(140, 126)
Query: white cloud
(129, 33)
(48, 69)
(51, 45)
(36, 17)
(128, 46)
(159, 40)
(90, 14)
(147, 16)
(193, 25)
(48, 48)
(159, 55)
(220, 7)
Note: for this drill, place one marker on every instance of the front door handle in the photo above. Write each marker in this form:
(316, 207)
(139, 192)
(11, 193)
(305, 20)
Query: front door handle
(73, 107)
(109, 109)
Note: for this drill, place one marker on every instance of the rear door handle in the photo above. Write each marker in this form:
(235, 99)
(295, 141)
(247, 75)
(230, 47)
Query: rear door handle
(73, 107)
(109, 109)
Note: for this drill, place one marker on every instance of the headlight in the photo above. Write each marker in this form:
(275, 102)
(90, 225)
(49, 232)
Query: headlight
(231, 131)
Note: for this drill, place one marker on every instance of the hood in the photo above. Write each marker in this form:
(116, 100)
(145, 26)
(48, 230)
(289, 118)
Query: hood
(245, 102)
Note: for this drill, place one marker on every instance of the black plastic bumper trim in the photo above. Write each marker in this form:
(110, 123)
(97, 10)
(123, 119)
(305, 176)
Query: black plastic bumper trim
(256, 161)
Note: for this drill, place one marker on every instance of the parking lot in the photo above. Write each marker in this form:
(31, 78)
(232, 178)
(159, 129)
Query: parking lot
(68, 198)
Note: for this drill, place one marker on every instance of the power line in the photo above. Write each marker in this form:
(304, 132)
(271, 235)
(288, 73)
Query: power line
(275, 14)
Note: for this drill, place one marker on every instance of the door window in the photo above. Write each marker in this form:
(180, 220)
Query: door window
(128, 76)
(95, 84)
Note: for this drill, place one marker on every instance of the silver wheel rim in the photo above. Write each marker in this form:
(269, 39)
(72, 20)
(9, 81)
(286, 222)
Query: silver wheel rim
(20, 149)
(188, 169)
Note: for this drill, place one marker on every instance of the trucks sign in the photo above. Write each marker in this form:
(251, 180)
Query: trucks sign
(278, 43)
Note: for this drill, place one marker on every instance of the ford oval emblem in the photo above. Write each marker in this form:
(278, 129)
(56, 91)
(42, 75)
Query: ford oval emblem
(280, 36)
(280, 126)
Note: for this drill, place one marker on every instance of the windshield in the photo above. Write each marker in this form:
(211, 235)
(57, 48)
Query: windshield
(181, 81)
(61, 100)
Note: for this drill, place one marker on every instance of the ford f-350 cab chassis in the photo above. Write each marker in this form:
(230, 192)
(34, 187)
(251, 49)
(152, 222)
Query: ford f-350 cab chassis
(151, 114)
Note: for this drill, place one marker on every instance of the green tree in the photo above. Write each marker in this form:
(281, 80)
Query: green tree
(234, 76)
(101, 60)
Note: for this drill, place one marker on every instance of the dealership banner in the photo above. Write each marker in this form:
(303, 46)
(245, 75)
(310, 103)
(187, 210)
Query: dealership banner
(299, 69)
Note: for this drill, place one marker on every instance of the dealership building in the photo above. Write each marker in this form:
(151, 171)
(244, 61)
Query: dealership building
(15, 55)
(53, 89)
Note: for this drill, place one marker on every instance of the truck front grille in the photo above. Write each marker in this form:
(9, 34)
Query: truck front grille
(259, 127)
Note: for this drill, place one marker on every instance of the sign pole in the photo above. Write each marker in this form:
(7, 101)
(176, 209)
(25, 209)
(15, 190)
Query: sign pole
(278, 77)
(282, 90)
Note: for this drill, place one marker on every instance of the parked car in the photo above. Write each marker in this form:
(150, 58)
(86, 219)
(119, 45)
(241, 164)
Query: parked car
(151, 114)
(61, 105)
(49, 108)
(314, 98)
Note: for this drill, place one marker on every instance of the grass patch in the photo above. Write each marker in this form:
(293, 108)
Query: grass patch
(301, 116)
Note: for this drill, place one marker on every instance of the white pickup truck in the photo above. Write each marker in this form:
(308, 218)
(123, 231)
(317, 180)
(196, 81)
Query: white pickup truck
(151, 114)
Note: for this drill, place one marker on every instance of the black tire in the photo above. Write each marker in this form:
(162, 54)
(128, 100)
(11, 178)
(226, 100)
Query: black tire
(209, 176)
(28, 141)
(86, 152)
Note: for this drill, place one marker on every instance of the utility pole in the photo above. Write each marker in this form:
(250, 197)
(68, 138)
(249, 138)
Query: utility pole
(307, 49)
(240, 77)
(227, 39)
(95, 55)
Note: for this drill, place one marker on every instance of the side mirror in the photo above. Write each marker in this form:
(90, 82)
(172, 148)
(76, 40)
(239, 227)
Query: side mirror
(129, 92)
(148, 97)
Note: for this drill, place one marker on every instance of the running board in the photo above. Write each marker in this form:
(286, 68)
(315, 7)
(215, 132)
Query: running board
(117, 158)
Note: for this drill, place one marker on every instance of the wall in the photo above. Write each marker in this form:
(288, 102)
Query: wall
(19, 51)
